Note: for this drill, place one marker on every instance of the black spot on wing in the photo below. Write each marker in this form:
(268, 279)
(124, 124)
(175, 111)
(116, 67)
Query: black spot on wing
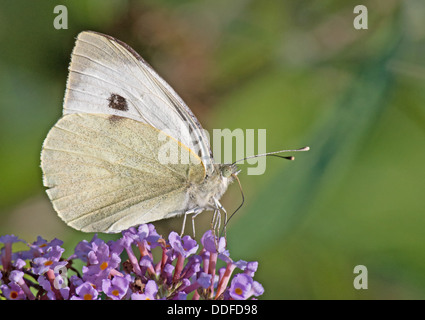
(117, 102)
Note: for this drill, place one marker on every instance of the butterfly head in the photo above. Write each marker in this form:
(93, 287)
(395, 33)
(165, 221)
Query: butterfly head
(229, 170)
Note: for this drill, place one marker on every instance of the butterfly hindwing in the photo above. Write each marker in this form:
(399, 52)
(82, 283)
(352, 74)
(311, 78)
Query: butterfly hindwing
(104, 174)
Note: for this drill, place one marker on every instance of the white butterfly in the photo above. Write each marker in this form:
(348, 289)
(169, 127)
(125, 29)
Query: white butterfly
(101, 159)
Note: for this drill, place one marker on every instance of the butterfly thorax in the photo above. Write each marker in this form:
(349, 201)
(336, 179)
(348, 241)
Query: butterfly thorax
(205, 194)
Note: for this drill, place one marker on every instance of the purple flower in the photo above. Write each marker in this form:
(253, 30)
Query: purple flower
(6, 251)
(115, 247)
(101, 262)
(243, 287)
(137, 234)
(146, 263)
(83, 248)
(49, 260)
(145, 236)
(47, 286)
(16, 276)
(12, 291)
(19, 263)
(184, 269)
(210, 243)
(115, 288)
(153, 237)
(10, 238)
(181, 296)
(51, 284)
(251, 268)
(41, 246)
(129, 237)
(185, 246)
(193, 266)
(85, 291)
(167, 273)
(76, 281)
(151, 289)
(203, 280)
(182, 248)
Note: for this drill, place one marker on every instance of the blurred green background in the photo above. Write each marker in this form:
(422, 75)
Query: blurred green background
(296, 68)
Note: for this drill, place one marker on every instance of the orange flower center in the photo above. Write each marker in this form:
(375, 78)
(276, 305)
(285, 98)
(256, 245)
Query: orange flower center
(238, 291)
(48, 263)
(104, 265)
(88, 296)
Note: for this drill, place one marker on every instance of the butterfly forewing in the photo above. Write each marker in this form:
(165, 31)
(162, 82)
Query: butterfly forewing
(106, 76)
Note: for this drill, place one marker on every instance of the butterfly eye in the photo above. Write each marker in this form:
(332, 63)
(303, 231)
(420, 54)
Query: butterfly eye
(226, 170)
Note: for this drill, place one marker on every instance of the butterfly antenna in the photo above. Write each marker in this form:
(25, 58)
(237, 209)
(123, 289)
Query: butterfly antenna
(275, 154)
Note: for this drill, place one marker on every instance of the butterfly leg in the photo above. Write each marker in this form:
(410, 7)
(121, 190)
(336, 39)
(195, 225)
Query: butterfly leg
(184, 220)
(215, 221)
(219, 206)
(193, 220)
(196, 211)
(184, 223)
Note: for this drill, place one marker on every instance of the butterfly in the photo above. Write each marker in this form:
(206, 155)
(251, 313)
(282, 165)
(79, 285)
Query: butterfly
(101, 161)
